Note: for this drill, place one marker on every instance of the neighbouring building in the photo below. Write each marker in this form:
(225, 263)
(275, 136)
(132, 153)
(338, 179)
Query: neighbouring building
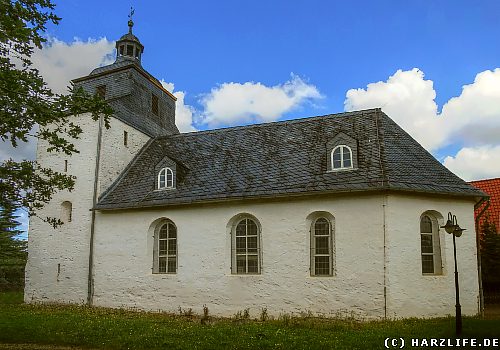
(330, 214)
(492, 188)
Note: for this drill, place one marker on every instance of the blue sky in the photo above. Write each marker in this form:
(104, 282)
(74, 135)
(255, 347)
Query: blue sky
(433, 66)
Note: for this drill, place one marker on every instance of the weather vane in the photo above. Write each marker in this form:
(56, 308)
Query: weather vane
(130, 22)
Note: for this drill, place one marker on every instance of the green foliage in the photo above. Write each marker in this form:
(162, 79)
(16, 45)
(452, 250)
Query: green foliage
(28, 108)
(120, 329)
(490, 254)
(12, 251)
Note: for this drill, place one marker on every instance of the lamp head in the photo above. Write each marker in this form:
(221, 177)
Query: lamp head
(450, 227)
(458, 231)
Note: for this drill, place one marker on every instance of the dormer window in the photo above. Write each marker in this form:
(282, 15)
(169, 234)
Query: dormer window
(166, 178)
(341, 157)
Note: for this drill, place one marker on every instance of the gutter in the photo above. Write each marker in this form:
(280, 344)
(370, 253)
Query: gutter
(478, 249)
(90, 280)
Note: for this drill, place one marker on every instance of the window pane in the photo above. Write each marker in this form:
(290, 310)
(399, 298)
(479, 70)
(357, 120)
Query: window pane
(163, 232)
(172, 230)
(172, 265)
(241, 246)
(163, 247)
(427, 264)
(253, 264)
(336, 158)
(347, 162)
(172, 247)
(241, 229)
(162, 265)
(251, 228)
(241, 264)
(426, 244)
(130, 50)
(321, 265)
(252, 244)
(426, 225)
(321, 227)
(170, 178)
(321, 245)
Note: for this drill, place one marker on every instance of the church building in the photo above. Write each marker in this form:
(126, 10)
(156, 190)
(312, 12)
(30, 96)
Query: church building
(335, 214)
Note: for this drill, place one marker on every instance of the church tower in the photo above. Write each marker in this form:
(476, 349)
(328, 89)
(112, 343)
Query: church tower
(59, 267)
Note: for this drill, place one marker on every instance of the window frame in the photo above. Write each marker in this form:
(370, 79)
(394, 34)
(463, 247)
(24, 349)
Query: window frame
(436, 254)
(331, 247)
(165, 172)
(342, 167)
(167, 255)
(234, 252)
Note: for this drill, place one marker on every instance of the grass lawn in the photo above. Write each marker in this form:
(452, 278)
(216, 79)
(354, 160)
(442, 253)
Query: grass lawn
(120, 329)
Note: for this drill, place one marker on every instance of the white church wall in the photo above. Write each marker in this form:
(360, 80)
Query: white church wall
(409, 292)
(124, 257)
(115, 155)
(57, 266)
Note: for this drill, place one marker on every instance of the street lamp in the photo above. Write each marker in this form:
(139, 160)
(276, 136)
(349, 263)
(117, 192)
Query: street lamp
(453, 228)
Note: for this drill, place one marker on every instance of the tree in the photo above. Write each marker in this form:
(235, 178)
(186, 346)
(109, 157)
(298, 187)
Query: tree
(12, 251)
(26, 103)
(490, 255)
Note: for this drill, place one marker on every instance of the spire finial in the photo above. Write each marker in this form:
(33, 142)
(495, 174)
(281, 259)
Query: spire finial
(130, 22)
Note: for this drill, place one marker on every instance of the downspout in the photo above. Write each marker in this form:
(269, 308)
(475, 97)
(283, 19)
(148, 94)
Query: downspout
(385, 184)
(478, 255)
(90, 290)
(384, 205)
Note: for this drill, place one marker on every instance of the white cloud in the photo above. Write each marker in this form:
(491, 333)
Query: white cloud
(236, 103)
(475, 163)
(407, 98)
(59, 62)
(472, 118)
(183, 113)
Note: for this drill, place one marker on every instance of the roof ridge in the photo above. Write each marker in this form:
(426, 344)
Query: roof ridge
(289, 121)
(484, 180)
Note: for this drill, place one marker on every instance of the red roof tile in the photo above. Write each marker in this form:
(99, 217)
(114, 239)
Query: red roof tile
(492, 188)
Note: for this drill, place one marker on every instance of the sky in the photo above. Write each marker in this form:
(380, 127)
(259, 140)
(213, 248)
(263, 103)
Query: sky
(432, 66)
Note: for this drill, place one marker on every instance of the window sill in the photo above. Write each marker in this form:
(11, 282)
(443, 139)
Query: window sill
(340, 169)
(164, 189)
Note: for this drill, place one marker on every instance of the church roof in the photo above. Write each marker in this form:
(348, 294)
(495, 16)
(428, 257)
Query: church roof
(283, 159)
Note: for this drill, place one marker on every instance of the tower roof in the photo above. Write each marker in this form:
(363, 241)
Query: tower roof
(129, 47)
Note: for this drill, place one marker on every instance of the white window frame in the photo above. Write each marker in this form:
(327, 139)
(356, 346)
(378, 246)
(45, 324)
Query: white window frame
(168, 178)
(157, 255)
(436, 246)
(246, 254)
(330, 253)
(341, 157)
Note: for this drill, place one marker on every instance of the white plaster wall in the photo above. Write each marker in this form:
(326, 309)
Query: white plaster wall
(124, 244)
(68, 245)
(115, 156)
(411, 294)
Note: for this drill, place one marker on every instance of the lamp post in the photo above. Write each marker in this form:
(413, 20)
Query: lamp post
(453, 228)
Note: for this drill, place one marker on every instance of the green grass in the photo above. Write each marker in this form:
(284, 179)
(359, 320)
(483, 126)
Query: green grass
(121, 329)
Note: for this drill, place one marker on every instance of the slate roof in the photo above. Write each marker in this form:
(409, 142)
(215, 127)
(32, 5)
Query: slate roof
(287, 158)
(492, 188)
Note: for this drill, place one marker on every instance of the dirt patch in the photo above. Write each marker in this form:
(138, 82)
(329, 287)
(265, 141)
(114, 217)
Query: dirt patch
(492, 311)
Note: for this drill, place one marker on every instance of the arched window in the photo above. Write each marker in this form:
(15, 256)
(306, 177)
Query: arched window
(66, 211)
(341, 157)
(165, 248)
(166, 178)
(430, 245)
(245, 237)
(322, 258)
